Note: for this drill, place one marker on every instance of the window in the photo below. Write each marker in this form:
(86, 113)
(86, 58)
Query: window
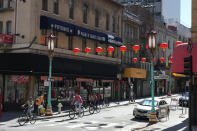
(96, 18)
(85, 14)
(113, 24)
(70, 42)
(1, 27)
(71, 9)
(56, 7)
(83, 43)
(45, 5)
(1, 3)
(9, 27)
(107, 21)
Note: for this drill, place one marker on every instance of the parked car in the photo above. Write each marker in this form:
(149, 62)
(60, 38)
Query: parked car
(184, 100)
(143, 109)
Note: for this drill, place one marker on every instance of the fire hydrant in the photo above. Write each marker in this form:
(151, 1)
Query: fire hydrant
(59, 108)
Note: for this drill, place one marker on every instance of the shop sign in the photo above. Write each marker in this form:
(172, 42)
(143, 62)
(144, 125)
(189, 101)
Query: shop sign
(17, 78)
(114, 40)
(134, 73)
(53, 78)
(161, 76)
(6, 39)
(46, 83)
(90, 34)
(84, 80)
(60, 26)
(107, 81)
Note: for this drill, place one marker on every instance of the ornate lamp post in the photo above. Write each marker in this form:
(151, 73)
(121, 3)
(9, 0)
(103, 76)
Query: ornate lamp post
(51, 38)
(151, 47)
(170, 81)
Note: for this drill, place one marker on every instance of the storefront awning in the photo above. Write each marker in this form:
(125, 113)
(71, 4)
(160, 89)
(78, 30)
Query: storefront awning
(134, 73)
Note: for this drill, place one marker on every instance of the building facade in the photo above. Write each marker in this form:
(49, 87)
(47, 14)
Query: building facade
(24, 26)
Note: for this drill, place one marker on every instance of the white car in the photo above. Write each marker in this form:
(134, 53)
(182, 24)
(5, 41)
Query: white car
(143, 109)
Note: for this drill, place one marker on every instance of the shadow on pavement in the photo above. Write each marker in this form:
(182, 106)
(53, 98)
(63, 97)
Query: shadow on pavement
(7, 116)
(178, 126)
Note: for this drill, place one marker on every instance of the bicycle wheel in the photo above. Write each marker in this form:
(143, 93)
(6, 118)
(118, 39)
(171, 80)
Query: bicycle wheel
(32, 119)
(82, 111)
(91, 109)
(98, 108)
(22, 119)
(71, 114)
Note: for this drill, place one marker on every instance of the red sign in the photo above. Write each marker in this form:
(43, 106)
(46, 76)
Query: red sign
(17, 78)
(6, 39)
(178, 58)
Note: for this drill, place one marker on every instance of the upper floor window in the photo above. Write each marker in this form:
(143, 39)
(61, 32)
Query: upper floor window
(56, 7)
(85, 14)
(45, 5)
(107, 21)
(113, 24)
(1, 27)
(9, 27)
(1, 3)
(96, 18)
(71, 9)
(70, 42)
(84, 43)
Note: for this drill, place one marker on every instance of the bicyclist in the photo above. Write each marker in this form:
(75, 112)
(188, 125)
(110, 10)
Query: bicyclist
(30, 106)
(78, 102)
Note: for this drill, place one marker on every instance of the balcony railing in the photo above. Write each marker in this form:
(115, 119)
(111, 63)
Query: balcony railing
(6, 5)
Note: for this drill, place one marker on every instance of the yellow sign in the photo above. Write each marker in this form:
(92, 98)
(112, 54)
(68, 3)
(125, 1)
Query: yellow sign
(178, 75)
(134, 73)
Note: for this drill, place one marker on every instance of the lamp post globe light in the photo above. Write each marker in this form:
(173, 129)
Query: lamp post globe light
(152, 47)
(51, 38)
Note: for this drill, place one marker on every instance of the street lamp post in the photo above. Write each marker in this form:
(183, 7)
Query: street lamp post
(50, 55)
(152, 47)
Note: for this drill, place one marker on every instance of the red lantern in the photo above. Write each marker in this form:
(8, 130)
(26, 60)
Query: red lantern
(177, 43)
(99, 50)
(87, 50)
(143, 60)
(42, 40)
(153, 59)
(134, 60)
(123, 49)
(110, 49)
(146, 46)
(163, 46)
(76, 50)
(161, 59)
(170, 59)
(136, 48)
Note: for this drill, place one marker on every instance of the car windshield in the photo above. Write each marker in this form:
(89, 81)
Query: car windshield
(148, 103)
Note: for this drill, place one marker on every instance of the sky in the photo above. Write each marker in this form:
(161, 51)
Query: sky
(186, 12)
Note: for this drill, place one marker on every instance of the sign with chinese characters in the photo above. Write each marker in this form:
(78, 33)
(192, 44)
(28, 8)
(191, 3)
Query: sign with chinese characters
(6, 39)
(18, 78)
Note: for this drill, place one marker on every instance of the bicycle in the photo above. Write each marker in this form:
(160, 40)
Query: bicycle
(94, 107)
(73, 111)
(26, 117)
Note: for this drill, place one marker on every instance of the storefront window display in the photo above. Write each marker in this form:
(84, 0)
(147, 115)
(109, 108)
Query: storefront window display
(16, 91)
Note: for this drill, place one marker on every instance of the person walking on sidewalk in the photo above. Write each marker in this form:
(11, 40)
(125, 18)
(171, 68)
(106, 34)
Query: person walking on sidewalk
(78, 102)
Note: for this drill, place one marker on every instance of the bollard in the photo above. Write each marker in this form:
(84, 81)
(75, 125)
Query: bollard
(59, 108)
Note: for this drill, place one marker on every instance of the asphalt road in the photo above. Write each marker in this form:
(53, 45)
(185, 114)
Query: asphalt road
(109, 119)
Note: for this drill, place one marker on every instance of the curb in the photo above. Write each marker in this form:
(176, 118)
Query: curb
(51, 117)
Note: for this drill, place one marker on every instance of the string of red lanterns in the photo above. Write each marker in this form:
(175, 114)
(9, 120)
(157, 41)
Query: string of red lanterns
(170, 59)
(136, 48)
(177, 43)
(143, 60)
(99, 50)
(110, 49)
(123, 49)
(87, 50)
(161, 59)
(134, 60)
(76, 50)
(163, 46)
